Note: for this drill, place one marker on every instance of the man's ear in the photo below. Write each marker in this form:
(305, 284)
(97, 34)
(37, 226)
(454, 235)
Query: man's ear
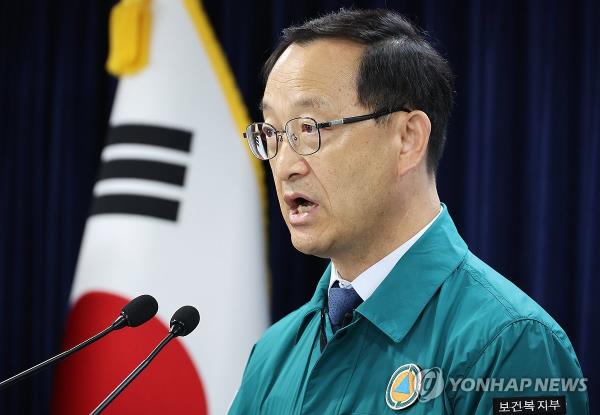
(414, 130)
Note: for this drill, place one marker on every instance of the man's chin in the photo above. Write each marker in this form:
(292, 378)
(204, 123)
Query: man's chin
(309, 246)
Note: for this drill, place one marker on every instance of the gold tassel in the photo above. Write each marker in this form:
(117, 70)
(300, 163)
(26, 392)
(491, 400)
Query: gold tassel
(129, 35)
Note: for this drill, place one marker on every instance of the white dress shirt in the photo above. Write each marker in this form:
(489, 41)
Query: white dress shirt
(367, 282)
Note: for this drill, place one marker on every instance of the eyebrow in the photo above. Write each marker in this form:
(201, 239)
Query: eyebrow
(302, 103)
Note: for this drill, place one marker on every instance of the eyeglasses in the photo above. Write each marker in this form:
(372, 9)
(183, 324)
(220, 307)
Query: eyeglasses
(303, 134)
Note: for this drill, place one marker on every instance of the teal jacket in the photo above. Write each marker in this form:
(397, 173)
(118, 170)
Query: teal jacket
(443, 334)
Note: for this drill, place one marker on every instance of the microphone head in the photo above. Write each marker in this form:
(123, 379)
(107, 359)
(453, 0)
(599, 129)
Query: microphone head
(185, 320)
(139, 310)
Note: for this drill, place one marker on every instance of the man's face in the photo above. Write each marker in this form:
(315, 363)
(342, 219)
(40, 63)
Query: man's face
(338, 200)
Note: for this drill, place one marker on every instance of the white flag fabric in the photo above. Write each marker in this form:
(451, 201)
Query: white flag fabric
(177, 214)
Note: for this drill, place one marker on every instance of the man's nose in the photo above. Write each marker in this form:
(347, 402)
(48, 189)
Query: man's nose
(287, 164)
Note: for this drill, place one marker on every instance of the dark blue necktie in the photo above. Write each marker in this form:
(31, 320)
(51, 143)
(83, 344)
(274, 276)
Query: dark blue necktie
(341, 303)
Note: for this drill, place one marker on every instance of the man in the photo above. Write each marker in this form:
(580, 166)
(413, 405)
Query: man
(405, 318)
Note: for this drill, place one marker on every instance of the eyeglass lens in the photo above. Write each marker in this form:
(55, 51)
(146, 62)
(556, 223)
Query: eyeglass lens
(302, 133)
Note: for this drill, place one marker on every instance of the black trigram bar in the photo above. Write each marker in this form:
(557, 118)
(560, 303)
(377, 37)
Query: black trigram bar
(136, 205)
(151, 135)
(143, 169)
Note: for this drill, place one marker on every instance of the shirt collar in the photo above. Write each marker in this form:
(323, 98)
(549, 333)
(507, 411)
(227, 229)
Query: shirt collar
(401, 297)
(368, 281)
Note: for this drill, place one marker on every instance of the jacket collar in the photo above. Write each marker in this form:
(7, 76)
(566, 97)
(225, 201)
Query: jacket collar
(317, 302)
(401, 297)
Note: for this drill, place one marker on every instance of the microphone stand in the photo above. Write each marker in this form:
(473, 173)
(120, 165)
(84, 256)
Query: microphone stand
(119, 323)
(172, 334)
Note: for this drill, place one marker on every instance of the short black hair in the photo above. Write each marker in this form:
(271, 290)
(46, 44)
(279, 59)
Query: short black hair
(399, 67)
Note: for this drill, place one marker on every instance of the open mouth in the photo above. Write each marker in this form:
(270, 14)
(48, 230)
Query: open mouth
(300, 207)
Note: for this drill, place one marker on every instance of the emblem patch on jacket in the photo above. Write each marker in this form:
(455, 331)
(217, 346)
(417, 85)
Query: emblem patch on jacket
(403, 388)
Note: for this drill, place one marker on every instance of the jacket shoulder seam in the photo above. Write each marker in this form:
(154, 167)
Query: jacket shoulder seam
(486, 285)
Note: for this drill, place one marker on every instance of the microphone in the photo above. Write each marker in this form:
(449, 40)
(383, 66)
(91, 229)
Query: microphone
(183, 322)
(134, 313)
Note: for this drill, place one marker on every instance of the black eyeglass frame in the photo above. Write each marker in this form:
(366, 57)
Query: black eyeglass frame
(319, 125)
